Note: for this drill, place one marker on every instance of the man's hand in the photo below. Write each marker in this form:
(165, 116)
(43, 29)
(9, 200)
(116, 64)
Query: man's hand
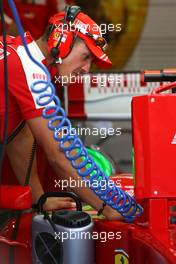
(56, 203)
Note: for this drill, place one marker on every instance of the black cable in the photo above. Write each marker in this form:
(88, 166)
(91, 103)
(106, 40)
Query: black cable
(31, 159)
(18, 213)
(4, 140)
(5, 134)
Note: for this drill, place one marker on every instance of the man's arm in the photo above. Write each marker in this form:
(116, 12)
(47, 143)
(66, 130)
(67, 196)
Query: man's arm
(63, 167)
(19, 151)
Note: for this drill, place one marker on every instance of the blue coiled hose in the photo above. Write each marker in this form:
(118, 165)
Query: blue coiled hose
(86, 168)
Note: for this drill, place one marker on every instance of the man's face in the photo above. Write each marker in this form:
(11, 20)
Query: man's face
(77, 62)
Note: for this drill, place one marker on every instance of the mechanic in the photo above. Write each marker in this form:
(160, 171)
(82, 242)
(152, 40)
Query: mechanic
(66, 49)
(30, 11)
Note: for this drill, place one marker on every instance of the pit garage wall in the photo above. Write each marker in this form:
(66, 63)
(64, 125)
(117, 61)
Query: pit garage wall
(157, 45)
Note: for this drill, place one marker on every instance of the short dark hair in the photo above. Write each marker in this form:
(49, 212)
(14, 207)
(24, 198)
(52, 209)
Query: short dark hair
(47, 32)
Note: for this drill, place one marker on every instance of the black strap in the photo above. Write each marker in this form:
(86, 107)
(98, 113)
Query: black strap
(100, 211)
(18, 213)
(16, 131)
(13, 135)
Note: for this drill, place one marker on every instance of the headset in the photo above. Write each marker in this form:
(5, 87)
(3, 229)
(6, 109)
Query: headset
(71, 13)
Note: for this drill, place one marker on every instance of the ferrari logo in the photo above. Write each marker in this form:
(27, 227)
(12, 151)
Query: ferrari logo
(121, 257)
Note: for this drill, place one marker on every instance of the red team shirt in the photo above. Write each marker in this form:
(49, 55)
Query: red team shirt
(22, 101)
(21, 73)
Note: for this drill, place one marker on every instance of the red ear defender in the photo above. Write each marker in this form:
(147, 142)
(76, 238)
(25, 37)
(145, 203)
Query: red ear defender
(60, 41)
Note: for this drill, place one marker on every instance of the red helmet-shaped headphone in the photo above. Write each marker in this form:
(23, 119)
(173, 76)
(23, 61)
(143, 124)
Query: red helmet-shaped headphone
(61, 37)
(66, 26)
